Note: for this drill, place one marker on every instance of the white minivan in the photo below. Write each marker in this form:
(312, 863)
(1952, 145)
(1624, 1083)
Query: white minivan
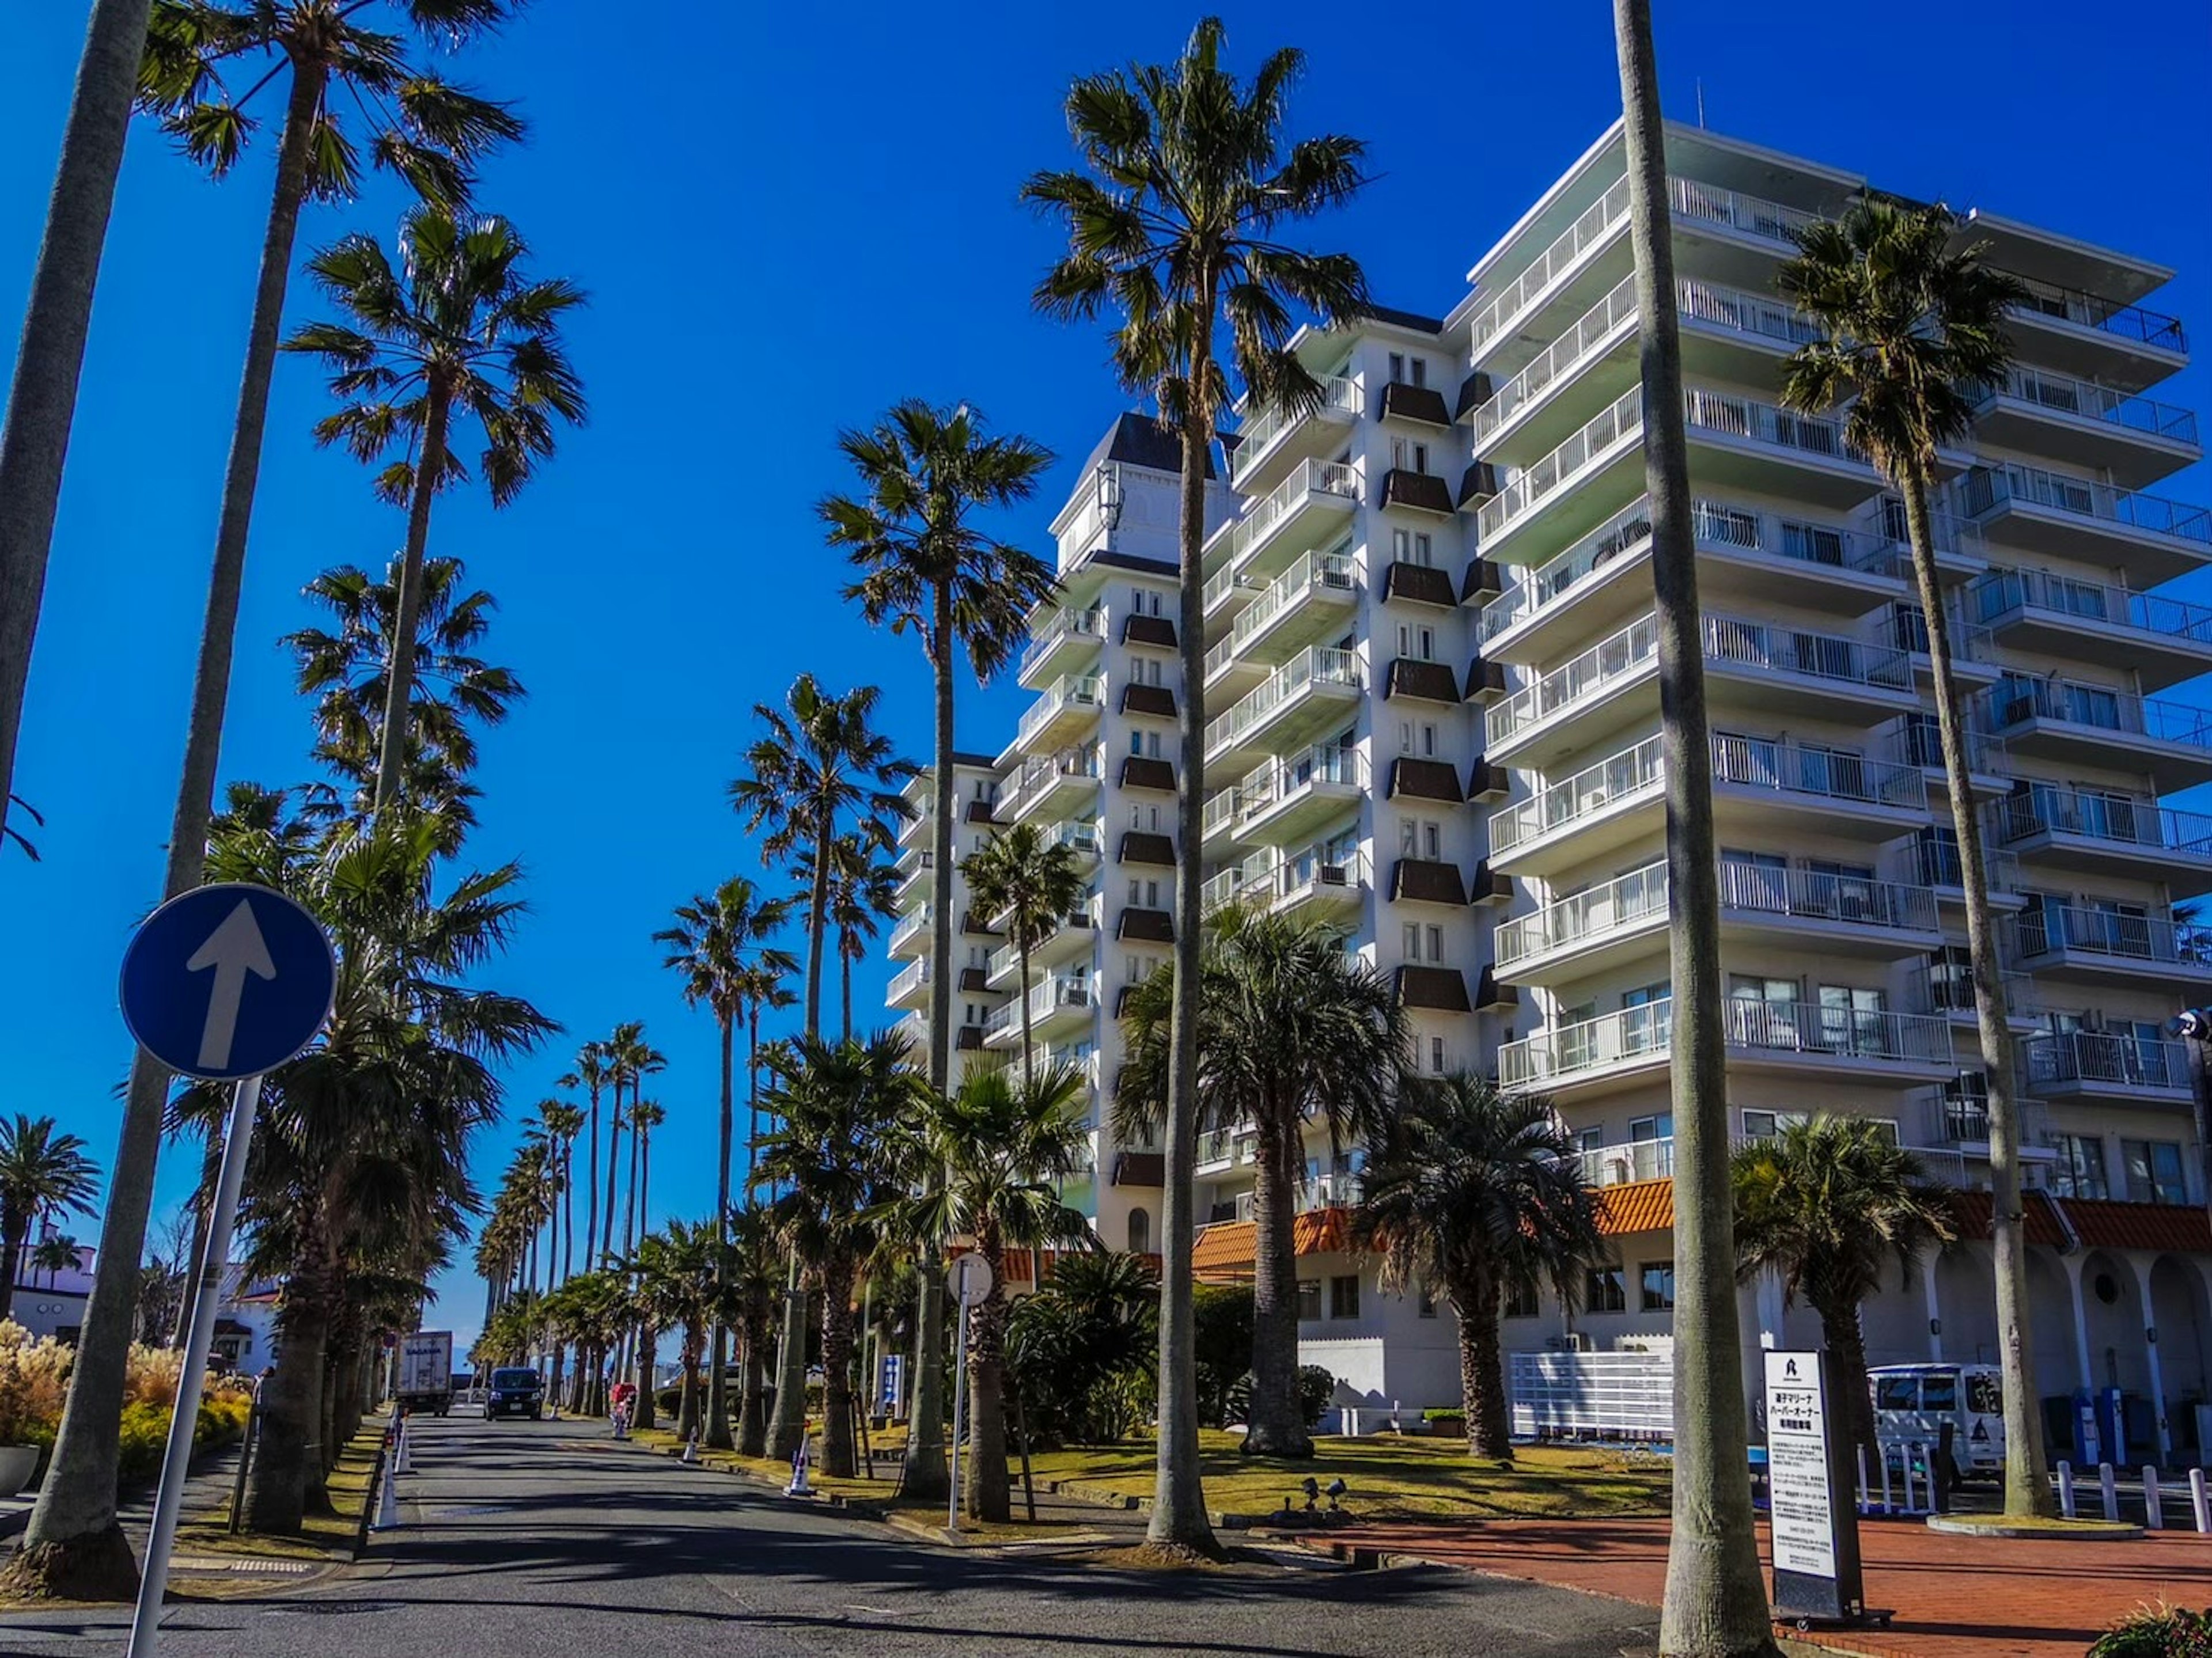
(1912, 1401)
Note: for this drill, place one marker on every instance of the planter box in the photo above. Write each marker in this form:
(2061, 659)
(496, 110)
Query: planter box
(17, 1464)
(1445, 1427)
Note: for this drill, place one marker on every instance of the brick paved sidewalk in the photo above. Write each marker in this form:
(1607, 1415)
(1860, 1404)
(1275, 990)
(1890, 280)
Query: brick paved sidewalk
(1955, 1597)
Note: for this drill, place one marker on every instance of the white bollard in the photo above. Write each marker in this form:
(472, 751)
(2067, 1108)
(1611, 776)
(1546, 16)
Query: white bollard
(2154, 1506)
(1886, 1507)
(1862, 1478)
(401, 1463)
(690, 1449)
(2200, 1504)
(2066, 1489)
(387, 1507)
(2108, 1491)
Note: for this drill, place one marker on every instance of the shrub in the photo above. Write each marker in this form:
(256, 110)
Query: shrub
(1316, 1387)
(1222, 1321)
(2159, 1632)
(1082, 1353)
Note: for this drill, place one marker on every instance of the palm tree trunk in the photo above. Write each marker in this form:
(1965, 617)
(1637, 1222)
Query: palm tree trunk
(1715, 1601)
(1482, 1373)
(592, 1187)
(648, 1342)
(838, 1458)
(752, 1093)
(288, 1456)
(2027, 1491)
(568, 1209)
(987, 1497)
(687, 1402)
(817, 919)
(614, 1166)
(11, 1260)
(1275, 1426)
(1846, 1342)
(42, 397)
(753, 1415)
(74, 1548)
(926, 1477)
(1178, 1517)
(787, 1423)
(718, 1391)
(399, 694)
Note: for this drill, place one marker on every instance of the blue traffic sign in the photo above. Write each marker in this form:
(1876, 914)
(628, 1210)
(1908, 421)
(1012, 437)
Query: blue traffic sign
(227, 981)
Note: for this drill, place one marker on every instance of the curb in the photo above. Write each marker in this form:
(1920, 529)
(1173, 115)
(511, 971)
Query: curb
(2078, 1531)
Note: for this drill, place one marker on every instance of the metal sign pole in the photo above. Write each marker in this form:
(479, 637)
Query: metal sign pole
(145, 1624)
(959, 1387)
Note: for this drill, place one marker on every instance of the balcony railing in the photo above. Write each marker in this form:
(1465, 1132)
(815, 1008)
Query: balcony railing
(1747, 417)
(1624, 1164)
(1985, 488)
(915, 924)
(1561, 356)
(2072, 702)
(2005, 591)
(1591, 226)
(2121, 819)
(1318, 665)
(1039, 774)
(1769, 763)
(1533, 485)
(1069, 691)
(1006, 957)
(2102, 1056)
(1625, 902)
(1630, 1035)
(1532, 590)
(1220, 585)
(1620, 656)
(1732, 210)
(1221, 810)
(1064, 623)
(1758, 315)
(910, 979)
(1333, 477)
(1337, 395)
(1627, 775)
(1045, 998)
(1081, 839)
(1854, 1033)
(2154, 940)
(2129, 322)
(1279, 781)
(2063, 394)
(1745, 644)
(1311, 573)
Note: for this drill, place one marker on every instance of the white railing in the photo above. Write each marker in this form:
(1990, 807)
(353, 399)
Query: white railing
(1701, 203)
(2106, 316)
(1985, 488)
(2156, 940)
(1091, 529)
(1760, 315)
(1339, 396)
(1533, 590)
(1311, 573)
(1851, 1032)
(1317, 665)
(1277, 782)
(1006, 957)
(1629, 1035)
(1068, 691)
(1816, 894)
(2103, 1056)
(2120, 819)
(1039, 774)
(1331, 1191)
(1081, 839)
(1220, 811)
(1314, 871)
(1597, 222)
(2004, 592)
(1625, 902)
(1630, 775)
(2072, 702)
(1220, 585)
(1632, 1161)
(1067, 622)
(1561, 357)
(1045, 997)
(1533, 485)
(912, 979)
(1333, 478)
(912, 927)
(1620, 656)
(1829, 773)
(1747, 417)
(2069, 396)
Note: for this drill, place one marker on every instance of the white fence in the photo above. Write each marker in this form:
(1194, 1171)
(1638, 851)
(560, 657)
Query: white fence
(1606, 1395)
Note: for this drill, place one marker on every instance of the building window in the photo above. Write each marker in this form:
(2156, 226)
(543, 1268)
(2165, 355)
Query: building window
(1435, 1056)
(1429, 741)
(2153, 1171)
(1424, 1302)
(1520, 1301)
(1432, 840)
(1412, 941)
(1140, 1232)
(1657, 1280)
(1407, 456)
(1436, 943)
(1605, 1290)
(2079, 1171)
(1344, 1297)
(1309, 1300)
(1397, 368)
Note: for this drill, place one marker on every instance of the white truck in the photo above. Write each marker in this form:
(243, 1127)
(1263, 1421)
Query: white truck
(426, 1371)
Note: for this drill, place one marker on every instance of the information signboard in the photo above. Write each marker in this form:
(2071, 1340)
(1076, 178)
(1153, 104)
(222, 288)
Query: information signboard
(1814, 1534)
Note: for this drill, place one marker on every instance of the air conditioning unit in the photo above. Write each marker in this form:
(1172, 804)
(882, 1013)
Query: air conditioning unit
(1574, 1341)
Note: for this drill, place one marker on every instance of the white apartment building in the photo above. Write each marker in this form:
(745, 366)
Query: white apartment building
(975, 787)
(1433, 716)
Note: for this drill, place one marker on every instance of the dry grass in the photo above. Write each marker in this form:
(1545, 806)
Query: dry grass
(323, 1537)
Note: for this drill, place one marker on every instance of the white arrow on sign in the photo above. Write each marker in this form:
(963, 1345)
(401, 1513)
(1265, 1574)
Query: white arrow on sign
(233, 949)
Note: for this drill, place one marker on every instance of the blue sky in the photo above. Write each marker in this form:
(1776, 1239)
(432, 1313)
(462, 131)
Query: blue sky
(784, 228)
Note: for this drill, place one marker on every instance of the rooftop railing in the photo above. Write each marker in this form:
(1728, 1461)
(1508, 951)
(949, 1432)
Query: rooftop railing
(2131, 322)
(2004, 592)
(2064, 395)
(1338, 394)
(1985, 488)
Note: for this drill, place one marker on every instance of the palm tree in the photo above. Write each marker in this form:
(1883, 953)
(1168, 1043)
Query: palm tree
(644, 1116)
(1031, 881)
(1005, 1146)
(1188, 181)
(1292, 1031)
(43, 1175)
(1912, 332)
(54, 1255)
(1825, 1203)
(863, 891)
(1478, 1195)
(561, 1122)
(818, 766)
(42, 396)
(841, 1107)
(592, 1074)
(678, 1284)
(431, 133)
(634, 1060)
(458, 329)
(1715, 1600)
(754, 1273)
(717, 940)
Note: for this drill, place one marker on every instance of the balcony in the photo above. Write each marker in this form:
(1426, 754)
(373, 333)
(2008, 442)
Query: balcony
(1597, 224)
(1081, 840)
(1740, 442)
(911, 937)
(1317, 686)
(2071, 721)
(1565, 485)
(1055, 1006)
(2093, 831)
(2138, 440)
(1598, 807)
(1310, 598)
(1051, 785)
(1625, 1164)
(2102, 339)
(1584, 929)
(1278, 435)
(1313, 885)
(1062, 712)
(2098, 1067)
(917, 875)
(909, 987)
(1507, 423)
(1070, 938)
(1313, 502)
(1283, 799)
(1611, 1049)
(2088, 621)
(1069, 640)
(2049, 514)
(2066, 941)
(1749, 230)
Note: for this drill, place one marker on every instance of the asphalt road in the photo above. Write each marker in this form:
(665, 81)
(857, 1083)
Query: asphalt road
(526, 1540)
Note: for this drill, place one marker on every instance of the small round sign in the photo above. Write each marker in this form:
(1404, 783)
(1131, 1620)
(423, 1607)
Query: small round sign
(969, 1280)
(227, 981)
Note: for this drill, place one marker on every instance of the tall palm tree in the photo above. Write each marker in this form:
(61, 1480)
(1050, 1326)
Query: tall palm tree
(1031, 881)
(1188, 181)
(677, 1284)
(1912, 331)
(634, 1059)
(1005, 1146)
(754, 1274)
(834, 1158)
(54, 1255)
(43, 1175)
(1477, 1195)
(457, 329)
(716, 941)
(819, 767)
(42, 395)
(1715, 1600)
(644, 1116)
(561, 1123)
(592, 1074)
(1825, 1203)
(1292, 1032)
(430, 133)
(863, 894)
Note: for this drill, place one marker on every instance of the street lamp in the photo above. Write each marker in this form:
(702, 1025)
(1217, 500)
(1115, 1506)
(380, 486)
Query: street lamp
(2193, 1025)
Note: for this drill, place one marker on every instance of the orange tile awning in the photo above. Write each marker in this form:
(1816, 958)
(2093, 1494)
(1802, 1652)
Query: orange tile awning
(1226, 1248)
(2103, 1225)
(1975, 1214)
(1644, 1206)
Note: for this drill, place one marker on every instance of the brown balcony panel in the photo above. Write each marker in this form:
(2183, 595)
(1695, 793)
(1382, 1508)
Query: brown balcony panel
(1490, 996)
(1423, 881)
(975, 979)
(1140, 1168)
(1482, 583)
(1423, 780)
(1430, 682)
(1156, 701)
(1440, 989)
(1418, 490)
(1487, 782)
(1140, 772)
(1422, 404)
(1139, 847)
(974, 921)
(1484, 680)
(1154, 630)
(1419, 584)
(969, 1039)
(1490, 887)
(1478, 483)
(979, 811)
(1151, 926)
(1473, 392)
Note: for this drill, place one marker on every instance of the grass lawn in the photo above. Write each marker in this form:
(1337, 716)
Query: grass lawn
(322, 1536)
(1389, 1477)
